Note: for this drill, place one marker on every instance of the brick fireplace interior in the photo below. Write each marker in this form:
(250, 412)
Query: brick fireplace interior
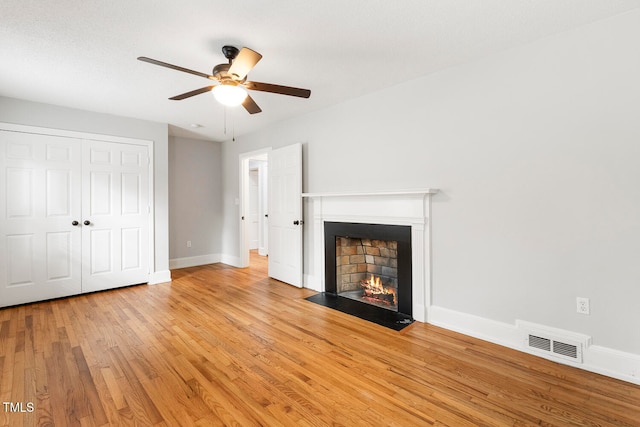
(367, 271)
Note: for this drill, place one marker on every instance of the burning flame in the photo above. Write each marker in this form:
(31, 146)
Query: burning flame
(373, 287)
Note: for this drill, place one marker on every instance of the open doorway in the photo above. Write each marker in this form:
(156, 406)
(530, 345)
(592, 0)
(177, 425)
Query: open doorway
(254, 209)
(283, 215)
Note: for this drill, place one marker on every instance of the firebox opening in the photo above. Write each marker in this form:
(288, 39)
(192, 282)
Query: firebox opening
(385, 253)
(367, 271)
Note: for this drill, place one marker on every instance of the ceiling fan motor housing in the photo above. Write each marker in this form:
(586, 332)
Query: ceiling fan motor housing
(221, 73)
(220, 69)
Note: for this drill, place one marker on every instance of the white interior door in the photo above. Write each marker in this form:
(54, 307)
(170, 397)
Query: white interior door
(39, 202)
(115, 221)
(285, 214)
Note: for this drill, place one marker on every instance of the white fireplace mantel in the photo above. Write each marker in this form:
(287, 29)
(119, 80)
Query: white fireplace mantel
(403, 207)
(371, 193)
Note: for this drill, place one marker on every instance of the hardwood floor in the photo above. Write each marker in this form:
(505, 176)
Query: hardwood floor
(225, 346)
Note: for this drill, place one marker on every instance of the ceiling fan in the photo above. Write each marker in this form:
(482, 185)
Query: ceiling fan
(231, 78)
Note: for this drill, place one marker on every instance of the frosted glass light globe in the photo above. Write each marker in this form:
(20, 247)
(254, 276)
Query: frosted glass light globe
(229, 95)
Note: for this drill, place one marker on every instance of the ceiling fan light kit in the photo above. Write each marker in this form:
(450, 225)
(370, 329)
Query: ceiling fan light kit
(229, 94)
(232, 85)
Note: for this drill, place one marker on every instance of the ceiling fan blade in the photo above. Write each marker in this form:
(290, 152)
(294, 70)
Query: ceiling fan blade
(244, 62)
(174, 67)
(250, 105)
(192, 93)
(282, 90)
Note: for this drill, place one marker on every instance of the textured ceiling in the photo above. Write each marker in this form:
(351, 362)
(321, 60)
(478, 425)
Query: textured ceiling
(82, 54)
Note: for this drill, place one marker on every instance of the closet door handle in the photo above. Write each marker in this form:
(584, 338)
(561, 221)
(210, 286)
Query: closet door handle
(87, 222)
(74, 223)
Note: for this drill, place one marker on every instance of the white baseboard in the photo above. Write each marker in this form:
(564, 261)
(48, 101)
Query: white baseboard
(475, 326)
(613, 363)
(159, 277)
(312, 282)
(194, 261)
(418, 312)
(231, 260)
(602, 360)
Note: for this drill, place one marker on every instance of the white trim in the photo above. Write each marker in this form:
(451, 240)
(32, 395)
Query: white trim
(152, 210)
(13, 127)
(602, 360)
(243, 197)
(372, 193)
(263, 208)
(231, 260)
(377, 219)
(159, 277)
(312, 282)
(194, 261)
(613, 363)
(475, 326)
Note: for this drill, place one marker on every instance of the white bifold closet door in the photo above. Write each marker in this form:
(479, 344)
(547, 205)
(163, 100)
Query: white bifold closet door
(74, 216)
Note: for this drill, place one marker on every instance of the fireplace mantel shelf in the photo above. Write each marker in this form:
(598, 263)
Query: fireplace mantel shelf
(372, 193)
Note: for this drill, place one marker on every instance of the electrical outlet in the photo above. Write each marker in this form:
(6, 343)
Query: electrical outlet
(582, 305)
(188, 243)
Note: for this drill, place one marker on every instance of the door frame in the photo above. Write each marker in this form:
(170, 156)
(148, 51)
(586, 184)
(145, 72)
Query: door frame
(12, 127)
(243, 201)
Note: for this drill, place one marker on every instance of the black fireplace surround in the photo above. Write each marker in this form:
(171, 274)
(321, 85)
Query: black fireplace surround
(330, 298)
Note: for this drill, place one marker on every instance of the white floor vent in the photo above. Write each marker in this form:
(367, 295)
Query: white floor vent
(554, 343)
(540, 343)
(558, 348)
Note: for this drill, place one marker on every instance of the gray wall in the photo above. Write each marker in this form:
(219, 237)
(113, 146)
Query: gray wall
(535, 151)
(195, 199)
(50, 116)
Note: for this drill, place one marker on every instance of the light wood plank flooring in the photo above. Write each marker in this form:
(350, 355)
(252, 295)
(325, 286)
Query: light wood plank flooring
(225, 346)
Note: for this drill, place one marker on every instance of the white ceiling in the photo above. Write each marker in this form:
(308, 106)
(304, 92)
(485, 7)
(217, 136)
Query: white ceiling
(82, 53)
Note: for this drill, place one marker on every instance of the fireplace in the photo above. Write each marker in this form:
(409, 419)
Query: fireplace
(368, 271)
(402, 209)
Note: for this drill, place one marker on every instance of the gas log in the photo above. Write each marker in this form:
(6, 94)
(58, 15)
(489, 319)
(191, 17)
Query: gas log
(374, 291)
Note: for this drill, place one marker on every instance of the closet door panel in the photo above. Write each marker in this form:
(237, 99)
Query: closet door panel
(116, 202)
(39, 200)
